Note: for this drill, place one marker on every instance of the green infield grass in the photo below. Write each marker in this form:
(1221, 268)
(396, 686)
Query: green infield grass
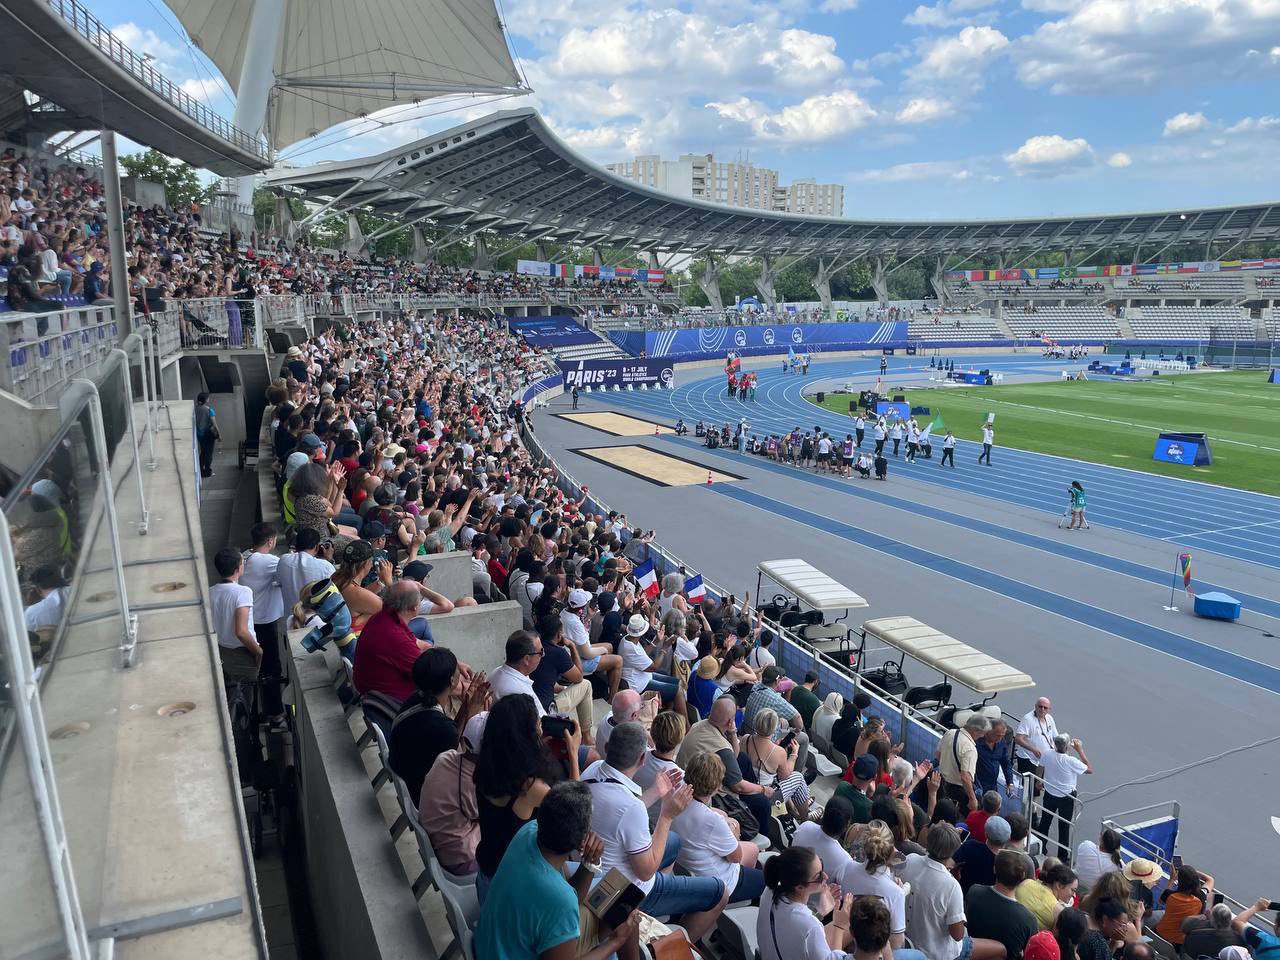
(1116, 422)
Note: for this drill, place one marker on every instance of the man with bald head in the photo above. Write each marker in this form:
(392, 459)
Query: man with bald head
(626, 707)
(386, 664)
(718, 734)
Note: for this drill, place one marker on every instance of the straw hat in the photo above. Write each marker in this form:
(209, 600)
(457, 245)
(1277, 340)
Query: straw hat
(1145, 872)
(708, 667)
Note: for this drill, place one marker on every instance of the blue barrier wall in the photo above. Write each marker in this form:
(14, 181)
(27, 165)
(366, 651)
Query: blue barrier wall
(707, 343)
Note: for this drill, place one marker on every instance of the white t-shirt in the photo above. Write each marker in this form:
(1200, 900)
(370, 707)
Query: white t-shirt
(834, 856)
(619, 819)
(988, 435)
(1091, 863)
(936, 903)
(575, 631)
(1061, 771)
(705, 841)
(686, 650)
(46, 612)
(507, 679)
(224, 600)
(857, 881)
(260, 577)
(790, 931)
(295, 571)
(1039, 734)
(634, 662)
(760, 658)
(648, 773)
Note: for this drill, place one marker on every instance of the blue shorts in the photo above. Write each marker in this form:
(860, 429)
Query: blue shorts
(589, 666)
(673, 895)
(966, 948)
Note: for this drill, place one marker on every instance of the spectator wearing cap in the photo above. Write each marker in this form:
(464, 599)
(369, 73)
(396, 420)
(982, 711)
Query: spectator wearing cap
(765, 696)
(308, 562)
(594, 656)
(993, 912)
(452, 818)
(862, 776)
(433, 602)
(353, 566)
(1061, 773)
(422, 731)
(958, 761)
(975, 860)
(639, 665)
(523, 654)
(1044, 946)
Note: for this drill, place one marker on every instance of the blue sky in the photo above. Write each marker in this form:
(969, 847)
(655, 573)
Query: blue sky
(950, 108)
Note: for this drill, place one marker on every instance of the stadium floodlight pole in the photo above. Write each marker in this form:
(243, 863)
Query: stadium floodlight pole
(257, 76)
(115, 235)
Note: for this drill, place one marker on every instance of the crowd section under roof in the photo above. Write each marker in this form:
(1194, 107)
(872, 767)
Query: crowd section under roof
(509, 174)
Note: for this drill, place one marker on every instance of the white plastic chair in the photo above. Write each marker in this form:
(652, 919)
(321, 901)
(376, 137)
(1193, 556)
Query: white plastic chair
(738, 926)
(461, 905)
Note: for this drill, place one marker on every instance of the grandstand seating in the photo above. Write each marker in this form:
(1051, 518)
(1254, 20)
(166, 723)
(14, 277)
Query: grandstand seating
(1191, 323)
(1063, 322)
(1208, 283)
(953, 326)
(600, 350)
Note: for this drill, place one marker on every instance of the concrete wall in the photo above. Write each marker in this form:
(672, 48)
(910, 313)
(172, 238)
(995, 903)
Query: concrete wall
(363, 903)
(24, 432)
(230, 410)
(143, 192)
(478, 635)
(451, 574)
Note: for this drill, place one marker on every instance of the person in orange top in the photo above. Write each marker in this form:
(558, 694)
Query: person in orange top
(1191, 898)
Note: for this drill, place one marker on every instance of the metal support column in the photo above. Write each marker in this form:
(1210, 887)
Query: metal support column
(115, 235)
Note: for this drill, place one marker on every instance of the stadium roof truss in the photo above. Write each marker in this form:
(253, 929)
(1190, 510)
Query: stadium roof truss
(508, 174)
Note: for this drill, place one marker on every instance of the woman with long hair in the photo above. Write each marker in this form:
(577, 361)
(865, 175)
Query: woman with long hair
(1069, 927)
(734, 670)
(791, 878)
(1077, 505)
(513, 773)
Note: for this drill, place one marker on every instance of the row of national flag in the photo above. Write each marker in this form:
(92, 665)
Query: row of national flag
(647, 576)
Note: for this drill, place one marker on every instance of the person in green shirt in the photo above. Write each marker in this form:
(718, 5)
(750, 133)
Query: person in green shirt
(805, 699)
(864, 773)
(1077, 506)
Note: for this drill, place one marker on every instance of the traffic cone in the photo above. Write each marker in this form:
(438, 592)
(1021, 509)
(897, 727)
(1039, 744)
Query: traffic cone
(655, 430)
(708, 478)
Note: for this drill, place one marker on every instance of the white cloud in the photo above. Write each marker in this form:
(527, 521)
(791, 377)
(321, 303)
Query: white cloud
(143, 41)
(818, 118)
(961, 58)
(1050, 156)
(1050, 6)
(1255, 125)
(203, 89)
(947, 13)
(1099, 46)
(923, 110)
(837, 6)
(912, 172)
(1119, 160)
(1183, 123)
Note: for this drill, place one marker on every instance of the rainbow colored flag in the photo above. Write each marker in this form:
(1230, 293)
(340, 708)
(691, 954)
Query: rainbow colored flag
(1184, 564)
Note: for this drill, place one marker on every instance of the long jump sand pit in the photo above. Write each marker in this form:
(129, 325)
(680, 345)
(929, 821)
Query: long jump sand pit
(663, 469)
(616, 424)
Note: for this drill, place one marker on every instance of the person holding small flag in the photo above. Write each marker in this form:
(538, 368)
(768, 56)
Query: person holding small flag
(949, 450)
(988, 441)
(859, 429)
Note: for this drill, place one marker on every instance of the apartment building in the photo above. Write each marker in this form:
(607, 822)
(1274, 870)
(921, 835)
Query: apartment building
(736, 184)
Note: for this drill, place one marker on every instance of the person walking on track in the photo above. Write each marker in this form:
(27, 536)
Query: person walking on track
(988, 441)
(895, 434)
(859, 429)
(913, 441)
(949, 450)
(1077, 506)
(881, 433)
(884, 365)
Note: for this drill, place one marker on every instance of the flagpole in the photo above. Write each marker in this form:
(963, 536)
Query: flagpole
(1173, 586)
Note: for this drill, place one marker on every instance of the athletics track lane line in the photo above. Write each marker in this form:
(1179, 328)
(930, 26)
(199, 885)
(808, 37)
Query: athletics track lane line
(850, 488)
(1194, 652)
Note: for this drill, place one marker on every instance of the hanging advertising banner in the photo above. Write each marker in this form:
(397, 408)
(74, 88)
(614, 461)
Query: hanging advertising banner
(606, 374)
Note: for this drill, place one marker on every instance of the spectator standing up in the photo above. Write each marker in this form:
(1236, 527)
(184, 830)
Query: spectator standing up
(995, 761)
(311, 560)
(1078, 505)
(958, 761)
(231, 608)
(532, 909)
(994, 913)
(786, 927)
(206, 426)
(976, 859)
(451, 817)
(620, 817)
(421, 730)
(988, 441)
(1061, 773)
(1034, 737)
(268, 609)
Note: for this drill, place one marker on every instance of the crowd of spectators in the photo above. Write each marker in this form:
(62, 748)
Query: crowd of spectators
(402, 439)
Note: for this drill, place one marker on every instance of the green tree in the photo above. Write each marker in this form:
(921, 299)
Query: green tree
(264, 208)
(181, 183)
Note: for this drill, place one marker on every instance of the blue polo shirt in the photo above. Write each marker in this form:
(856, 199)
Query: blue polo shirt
(530, 907)
(991, 760)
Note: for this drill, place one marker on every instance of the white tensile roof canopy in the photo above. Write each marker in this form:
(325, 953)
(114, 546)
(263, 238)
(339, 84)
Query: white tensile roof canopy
(337, 61)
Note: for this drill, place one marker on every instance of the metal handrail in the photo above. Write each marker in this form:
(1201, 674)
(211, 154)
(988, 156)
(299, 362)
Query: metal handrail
(92, 29)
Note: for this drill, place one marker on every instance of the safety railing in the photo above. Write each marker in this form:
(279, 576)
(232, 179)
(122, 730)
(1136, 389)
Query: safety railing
(42, 351)
(92, 29)
(216, 323)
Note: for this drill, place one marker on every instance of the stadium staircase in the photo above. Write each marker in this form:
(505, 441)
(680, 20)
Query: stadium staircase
(602, 349)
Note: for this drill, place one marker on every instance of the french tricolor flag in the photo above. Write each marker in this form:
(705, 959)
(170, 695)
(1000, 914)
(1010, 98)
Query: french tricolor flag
(694, 588)
(647, 577)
